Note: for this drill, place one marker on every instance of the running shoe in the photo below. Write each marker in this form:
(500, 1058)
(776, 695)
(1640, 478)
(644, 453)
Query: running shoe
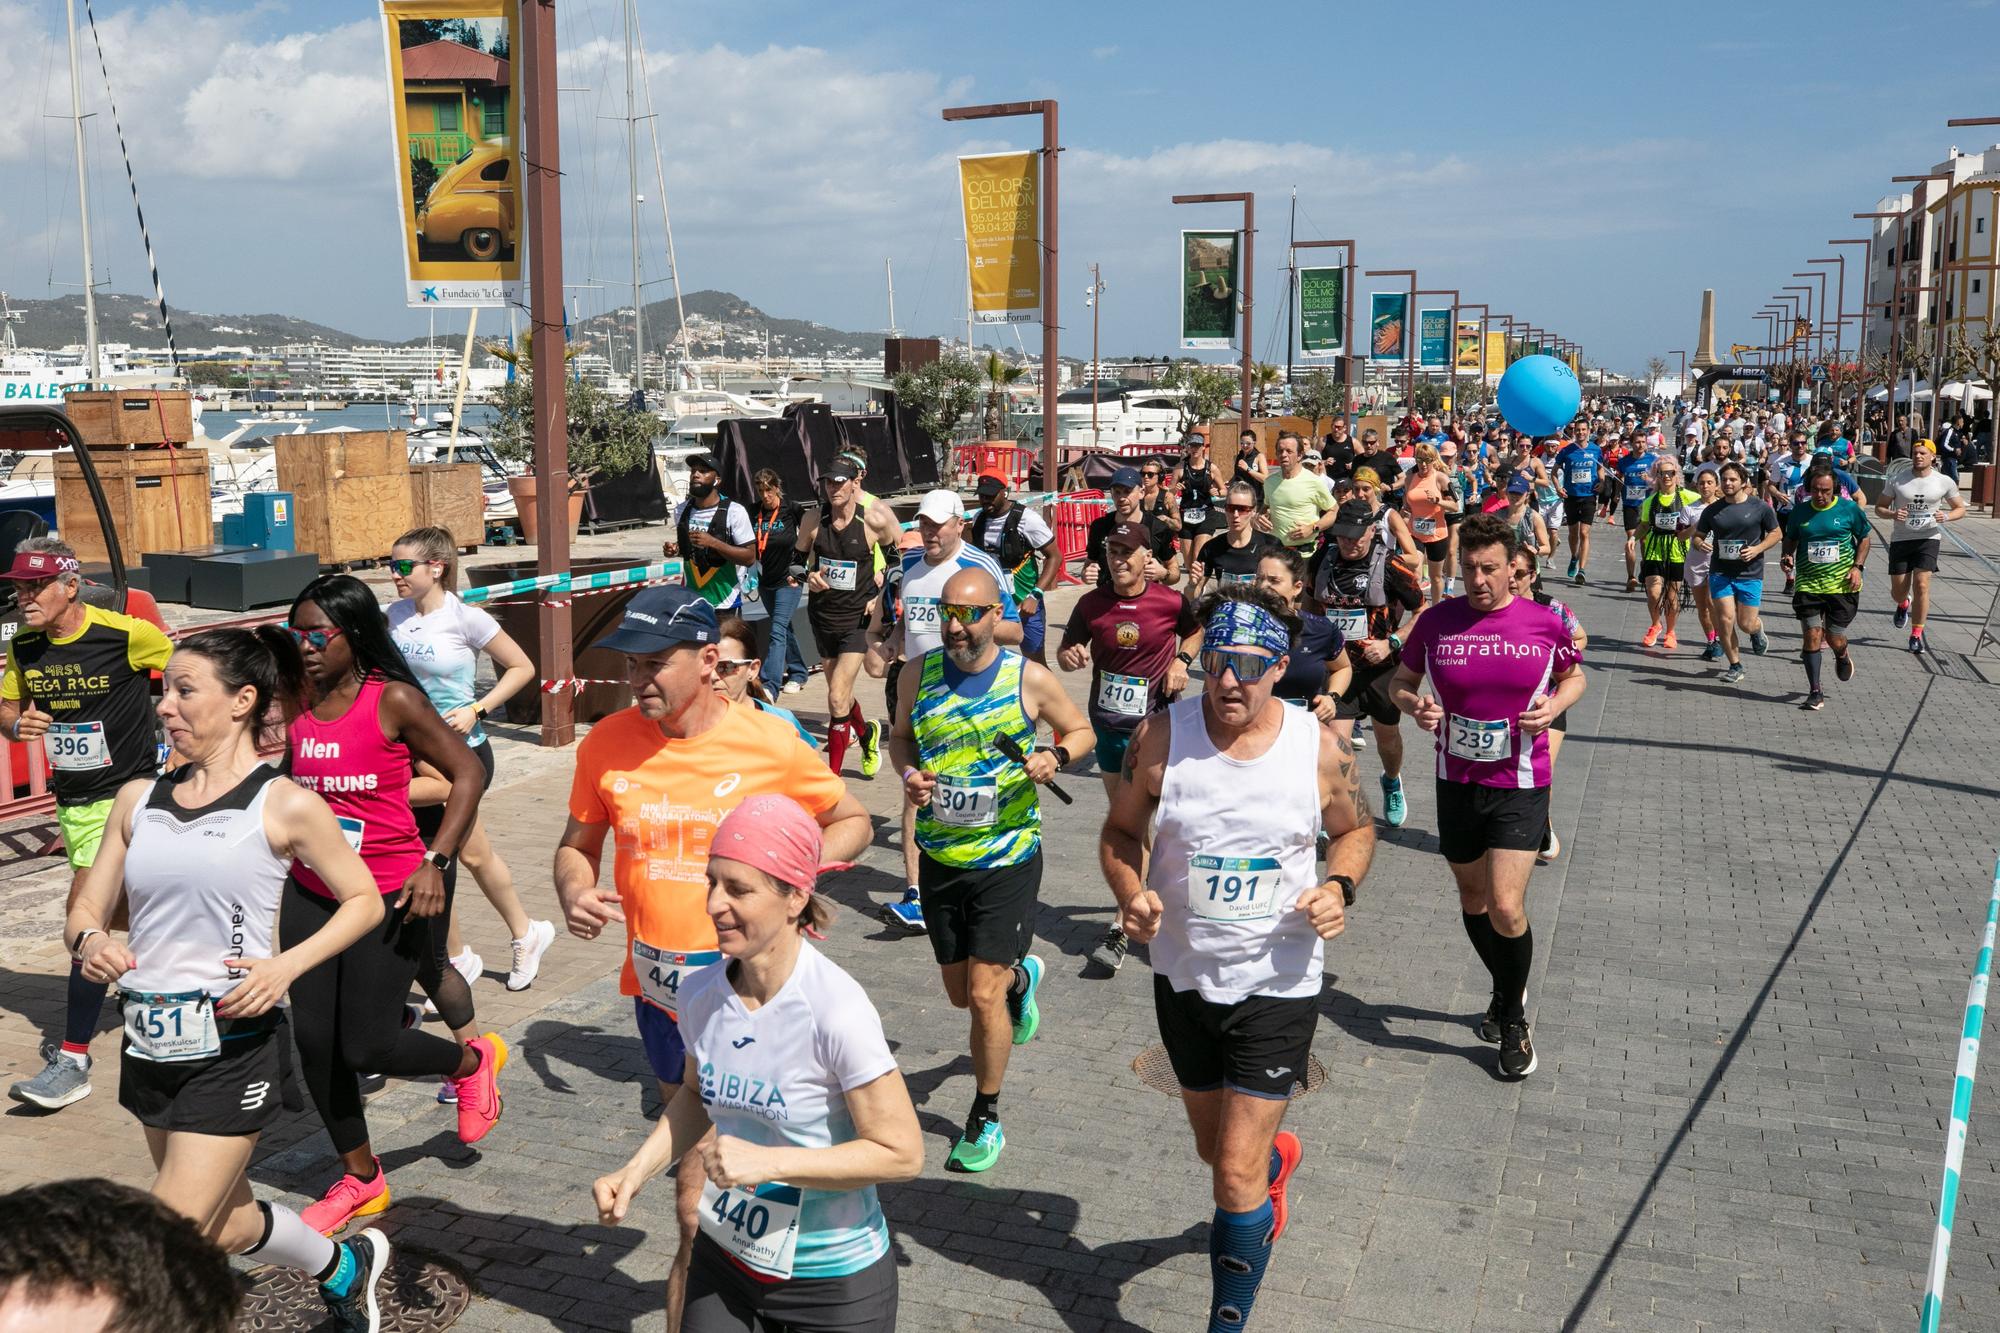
(1359, 740)
(1670, 642)
(1760, 642)
(528, 951)
(1631, 584)
(1395, 809)
(479, 1091)
(1650, 637)
(1551, 845)
(348, 1199)
(1580, 579)
(871, 749)
(1814, 701)
(448, 1092)
(1021, 1007)
(468, 965)
(1917, 642)
(1902, 614)
(792, 686)
(1712, 653)
(977, 1154)
(1489, 1025)
(1110, 951)
(907, 913)
(1733, 675)
(354, 1297)
(61, 1082)
(1289, 1153)
(1572, 568)
(1843, 668)
(1517, 1049)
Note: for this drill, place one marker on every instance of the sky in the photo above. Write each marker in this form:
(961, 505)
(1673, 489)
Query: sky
(1587, 167)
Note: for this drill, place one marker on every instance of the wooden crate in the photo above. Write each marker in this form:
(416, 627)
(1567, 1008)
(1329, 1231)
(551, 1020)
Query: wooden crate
(158, 499)
(120, 418)
(449, 496)
(308, 461)
(350, 492)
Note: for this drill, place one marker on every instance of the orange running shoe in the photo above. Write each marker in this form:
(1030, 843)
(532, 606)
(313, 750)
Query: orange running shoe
(1289, 1152)
(1670, 642)
(1650, 637)
(479, 1091)
(350, 1197)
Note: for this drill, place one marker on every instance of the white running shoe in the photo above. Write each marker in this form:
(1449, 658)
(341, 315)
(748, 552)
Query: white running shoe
(469, 965)
(528, 953)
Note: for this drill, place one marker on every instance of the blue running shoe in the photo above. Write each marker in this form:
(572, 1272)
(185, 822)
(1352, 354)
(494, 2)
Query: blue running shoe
(1394, 808)
(1021, 1007)
(907, 913)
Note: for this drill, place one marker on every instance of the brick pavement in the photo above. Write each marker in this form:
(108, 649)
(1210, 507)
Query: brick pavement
(1747, 992)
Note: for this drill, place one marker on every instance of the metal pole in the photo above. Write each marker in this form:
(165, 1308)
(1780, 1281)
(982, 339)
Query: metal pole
(1096, 295)
(632, 189)
(83, 209)
(1291, 284)
(542, 165)
(1347, 339)
(1249, 299)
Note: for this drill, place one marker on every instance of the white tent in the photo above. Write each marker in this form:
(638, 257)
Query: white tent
(1971, 393)
(1881, 395)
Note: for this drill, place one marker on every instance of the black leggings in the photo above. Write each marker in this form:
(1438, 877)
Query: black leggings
(441, 982)
(348, 1012)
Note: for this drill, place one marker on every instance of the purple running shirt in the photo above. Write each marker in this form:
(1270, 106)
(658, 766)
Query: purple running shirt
(1486, 669)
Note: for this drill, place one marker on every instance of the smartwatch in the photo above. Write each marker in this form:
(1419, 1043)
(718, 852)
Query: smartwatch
(1185, 659)
(1062, 755)
(1346, 888)
(440, 860)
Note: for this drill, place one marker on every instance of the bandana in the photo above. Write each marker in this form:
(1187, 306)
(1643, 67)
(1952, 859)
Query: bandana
(776, 835)
(1238, 624)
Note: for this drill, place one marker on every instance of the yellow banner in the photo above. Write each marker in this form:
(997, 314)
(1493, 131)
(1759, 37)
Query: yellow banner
(1465, 347)
(1496, 352)
(1002, 195)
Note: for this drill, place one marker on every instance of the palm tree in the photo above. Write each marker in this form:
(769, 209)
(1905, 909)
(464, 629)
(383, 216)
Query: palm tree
(1263, 376)
(998, 376)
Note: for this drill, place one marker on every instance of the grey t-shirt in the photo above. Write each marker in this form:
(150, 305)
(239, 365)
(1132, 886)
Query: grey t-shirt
(1925, 497)
(1735, 528)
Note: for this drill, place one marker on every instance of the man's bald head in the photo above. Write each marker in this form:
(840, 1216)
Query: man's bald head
(972, 587)
(969, 646)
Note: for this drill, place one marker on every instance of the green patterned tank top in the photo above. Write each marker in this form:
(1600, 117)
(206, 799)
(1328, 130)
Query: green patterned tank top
(984, 810)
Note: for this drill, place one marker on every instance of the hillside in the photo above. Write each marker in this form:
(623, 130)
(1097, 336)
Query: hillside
(58, 322)
(724, 324)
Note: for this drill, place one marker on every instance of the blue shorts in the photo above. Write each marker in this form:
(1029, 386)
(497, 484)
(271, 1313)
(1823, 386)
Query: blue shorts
(665, 1050)
(1035, 628)
(1111, 746)
(1746, 591)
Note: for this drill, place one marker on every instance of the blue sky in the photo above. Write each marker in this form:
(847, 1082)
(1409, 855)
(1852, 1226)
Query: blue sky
(1587, 167)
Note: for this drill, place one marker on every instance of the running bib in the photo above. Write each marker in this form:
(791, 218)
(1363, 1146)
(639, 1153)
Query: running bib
(1122, 696)
(970, 802)
(352, 829)
(1233, 888)
(841, 575)
(1635, 492)
(759, 1228)
(1480, 742)
(1238, 580)
(1581, 476)
(661, 971)
(1666, 520)
(1824, 553)
(1352, 623)
(1730, 548)
(1920, 515)
(171, 1029)
(920, 614)
(73, 746)
(1194, 514)
(1425, 528)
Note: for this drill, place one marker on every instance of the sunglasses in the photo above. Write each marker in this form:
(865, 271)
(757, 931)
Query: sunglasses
(402, 569)
(1152, 476)
(1249, 667)
(965, 615)
(1242, 509)
(316, 639)
(729, 666)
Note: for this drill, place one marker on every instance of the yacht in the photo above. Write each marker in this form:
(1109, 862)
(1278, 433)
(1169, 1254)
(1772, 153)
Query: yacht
(1143, 415)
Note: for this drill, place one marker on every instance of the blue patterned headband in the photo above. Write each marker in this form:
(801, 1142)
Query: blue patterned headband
(1240, 624)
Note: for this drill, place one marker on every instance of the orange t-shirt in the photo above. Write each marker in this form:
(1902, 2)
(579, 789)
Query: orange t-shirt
(1420, 497)
(664, 798)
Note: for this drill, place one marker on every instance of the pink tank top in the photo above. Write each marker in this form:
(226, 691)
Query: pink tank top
(365, 778)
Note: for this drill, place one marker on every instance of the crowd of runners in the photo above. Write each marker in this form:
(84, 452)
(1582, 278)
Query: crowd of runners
(266, 856)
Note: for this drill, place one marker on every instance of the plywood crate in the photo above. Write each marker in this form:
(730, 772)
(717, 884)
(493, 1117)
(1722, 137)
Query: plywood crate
(158, 501)
(120, 418)
(347, 453)
(451, 496)
(350, 492)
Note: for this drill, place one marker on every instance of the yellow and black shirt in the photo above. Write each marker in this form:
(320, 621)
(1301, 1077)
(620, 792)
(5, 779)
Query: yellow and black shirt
(94, 684)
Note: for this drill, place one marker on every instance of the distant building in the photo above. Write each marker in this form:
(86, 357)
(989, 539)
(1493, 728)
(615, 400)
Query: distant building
(1946, 233)
(453, 98)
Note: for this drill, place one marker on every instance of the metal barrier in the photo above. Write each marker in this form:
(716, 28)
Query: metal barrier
(1074, 511)
(1009, 460)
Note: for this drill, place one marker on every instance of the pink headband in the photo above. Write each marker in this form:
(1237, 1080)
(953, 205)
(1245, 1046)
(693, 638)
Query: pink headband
(776, 835)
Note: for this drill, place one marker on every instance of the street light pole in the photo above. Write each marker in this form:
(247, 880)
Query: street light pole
(1051, 270)
(1347, 313)
(1409, 341)
(1450, 341)
(1247, 284)
(1479, 353)
(1096, 296)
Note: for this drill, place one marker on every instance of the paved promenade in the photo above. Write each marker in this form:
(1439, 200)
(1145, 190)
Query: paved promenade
(1752, 958)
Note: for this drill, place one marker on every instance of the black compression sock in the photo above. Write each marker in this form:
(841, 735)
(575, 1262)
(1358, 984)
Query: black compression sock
(1480, 929)
(985, 1106)
(1513, 958)
(1812, 660)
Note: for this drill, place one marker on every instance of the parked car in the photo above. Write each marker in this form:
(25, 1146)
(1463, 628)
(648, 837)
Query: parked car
(472, 205)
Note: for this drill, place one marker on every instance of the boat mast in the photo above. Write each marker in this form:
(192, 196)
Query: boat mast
(889, 268)
(83, 208)
(1291, 285)
(632, 172)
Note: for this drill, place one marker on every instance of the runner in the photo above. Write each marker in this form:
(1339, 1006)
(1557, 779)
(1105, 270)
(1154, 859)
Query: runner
(441, 639)
(1920, 503)
(1695, 562)
(1157, 507)
(780, 528)
(79, 677)
(738, 680)
(1298, 504)
(202, 860)
(1223, 792)
(1317, 671)
(812, 1253)
(712, 537)
(1366, 597)
(844, 596)
(1530, 528)
(1833, 535)
(1502, 669)
(1665, 521)
(1394, 530)
(1127, 502)
(1578, 466)
(979, 827)
(1429, 498)
(367, 724)
(1231, 558)
(1250, 466)
(1737, 531)
(1025, 546)
(1138, 639)
(1202, 486)
(1526, 583)
(1635, 483)
(660, 777)
(1785, 482)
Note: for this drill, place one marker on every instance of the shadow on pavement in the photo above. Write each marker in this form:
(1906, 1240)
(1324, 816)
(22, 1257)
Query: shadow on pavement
(1370, 1024)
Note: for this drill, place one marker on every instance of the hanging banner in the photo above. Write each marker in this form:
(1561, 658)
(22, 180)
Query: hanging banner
(1465, 346)
(1322, 303)
(1433, 335)
(457, 149)
(1496, 352)
(1002, 198)
(1208, 289)
(1388, 330)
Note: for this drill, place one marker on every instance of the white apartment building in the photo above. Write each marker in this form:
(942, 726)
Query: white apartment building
(1935, 262)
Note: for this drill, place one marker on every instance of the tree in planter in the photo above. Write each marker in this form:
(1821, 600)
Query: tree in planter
(605, 435)
(1656, 370)
(998, 376)
(1263, 378)
(1206, 391)
(1319, 396)
(942, 394)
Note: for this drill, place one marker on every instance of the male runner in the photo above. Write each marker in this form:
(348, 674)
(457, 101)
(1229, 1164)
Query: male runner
(1826, 548)
(1127, 502)
(1298, 503)
(1366, 600)
(1223, 791)
(713, 537)
(658, 777)
(1502, 669)
(1025, 546)
(1635, 481)
(1138, 639)
(844, 585)
(77, 676)
(1577, 466)
(1737, 531)
(979, 828)
(1919, 503)
(1665, 518)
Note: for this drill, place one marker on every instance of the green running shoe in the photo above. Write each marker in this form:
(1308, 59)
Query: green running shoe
(1027, 1015)
(1394, 808)
(975, 1155)
(871, 749)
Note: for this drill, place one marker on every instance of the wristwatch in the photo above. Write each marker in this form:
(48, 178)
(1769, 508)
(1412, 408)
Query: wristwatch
(1346, 888)
(1185, 659)
(1062, 755)
(479, 711)
(440, 860)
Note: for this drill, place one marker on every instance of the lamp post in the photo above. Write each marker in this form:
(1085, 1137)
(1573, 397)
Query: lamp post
(1450, 341)
(1091, 299)
(1409, 341)
(1682, 354)
(1051, 271)
(1347, 303)
(1479, 354)
(1248, 277)
(1819, 325)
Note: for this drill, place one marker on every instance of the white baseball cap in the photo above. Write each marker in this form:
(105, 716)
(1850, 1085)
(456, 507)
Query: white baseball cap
(940, 506)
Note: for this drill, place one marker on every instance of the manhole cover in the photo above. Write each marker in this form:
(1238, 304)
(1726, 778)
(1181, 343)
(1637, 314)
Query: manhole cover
(1157, 1072)
(421, 1292)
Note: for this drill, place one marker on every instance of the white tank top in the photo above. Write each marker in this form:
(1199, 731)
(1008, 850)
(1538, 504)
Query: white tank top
(1233, 848)
(204, 885)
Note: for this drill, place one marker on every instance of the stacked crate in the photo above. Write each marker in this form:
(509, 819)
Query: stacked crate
(156, 487)
(350, 492)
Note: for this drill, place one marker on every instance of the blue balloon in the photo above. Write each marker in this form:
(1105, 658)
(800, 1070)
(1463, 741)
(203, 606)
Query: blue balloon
(1539, 395)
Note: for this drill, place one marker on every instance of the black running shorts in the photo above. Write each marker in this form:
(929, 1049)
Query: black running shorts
(237, 1092)
(980, 912)
(1830, 610)
(1912, 556)
(1256, 1046)
(1474, 819)
(1673, 571)
(1580, 510)
(722, 1297)
(1367, 693)
(1631, 518)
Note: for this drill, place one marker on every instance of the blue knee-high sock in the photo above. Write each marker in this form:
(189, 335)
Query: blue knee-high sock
(85, 1003)
(1239, 1248)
